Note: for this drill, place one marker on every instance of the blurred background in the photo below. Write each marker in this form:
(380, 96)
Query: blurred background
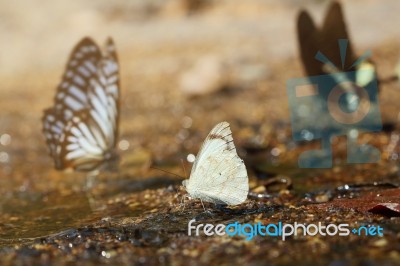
(185, 66)
(170, 51)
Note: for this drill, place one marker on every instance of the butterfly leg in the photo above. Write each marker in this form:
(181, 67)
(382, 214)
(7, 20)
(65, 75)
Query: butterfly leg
(184, 197)
(91, 179)
(92, 201)
(203, 205)
(182, 202)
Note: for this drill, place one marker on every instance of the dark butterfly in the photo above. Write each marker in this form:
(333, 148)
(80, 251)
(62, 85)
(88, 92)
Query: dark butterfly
(312, 40)
(81, 128)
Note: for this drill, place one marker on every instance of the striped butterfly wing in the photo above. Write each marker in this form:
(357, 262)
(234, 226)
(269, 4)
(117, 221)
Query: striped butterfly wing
(81, 128)
(110, 77)
(82, 67)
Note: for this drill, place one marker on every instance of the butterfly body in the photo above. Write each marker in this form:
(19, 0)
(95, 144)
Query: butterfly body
(81, 128)
(218, 175)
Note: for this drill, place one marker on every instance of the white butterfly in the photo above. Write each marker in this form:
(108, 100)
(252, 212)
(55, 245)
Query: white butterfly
(218, 174)
(81, 128)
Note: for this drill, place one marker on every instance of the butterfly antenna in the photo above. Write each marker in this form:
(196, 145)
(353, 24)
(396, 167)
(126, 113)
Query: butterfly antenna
(184, 169)
(166, 171)
(389, 79)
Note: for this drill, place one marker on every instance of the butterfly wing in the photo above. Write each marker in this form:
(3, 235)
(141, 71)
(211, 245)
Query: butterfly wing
(110, 72)
(311, 40)
(218, 174)
(82, 67)
(53, 128)
(83, 146)
(81, 128)
(307, 37)
(333, 29)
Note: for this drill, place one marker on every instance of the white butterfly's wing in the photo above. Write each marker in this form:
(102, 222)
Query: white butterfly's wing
(81, 128)
(218, 174)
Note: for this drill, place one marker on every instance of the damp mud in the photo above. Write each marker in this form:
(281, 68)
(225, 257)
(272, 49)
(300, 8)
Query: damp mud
(139, 213)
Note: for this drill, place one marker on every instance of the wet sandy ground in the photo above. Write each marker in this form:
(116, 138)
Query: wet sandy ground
(136, 214)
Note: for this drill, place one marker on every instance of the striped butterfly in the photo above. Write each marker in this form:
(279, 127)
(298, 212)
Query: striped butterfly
(81, 128)
(218, 175)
